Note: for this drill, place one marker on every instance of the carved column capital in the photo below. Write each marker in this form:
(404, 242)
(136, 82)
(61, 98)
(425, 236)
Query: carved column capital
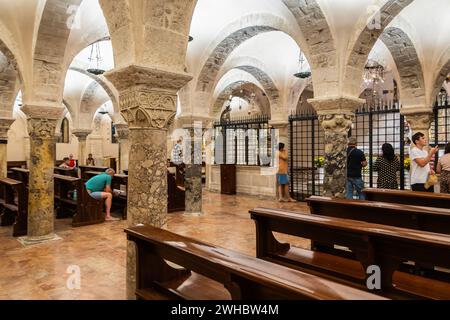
(336, 114)
(82, 134)
(148, 97)
(336, 105)
(122, 131)
(5, 124)
(418, 120)
(42, 120)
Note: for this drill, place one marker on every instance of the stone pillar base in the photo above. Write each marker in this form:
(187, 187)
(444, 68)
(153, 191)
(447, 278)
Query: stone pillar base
(31, 241)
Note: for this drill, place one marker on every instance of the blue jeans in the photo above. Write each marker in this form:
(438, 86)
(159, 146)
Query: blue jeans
(355, 184)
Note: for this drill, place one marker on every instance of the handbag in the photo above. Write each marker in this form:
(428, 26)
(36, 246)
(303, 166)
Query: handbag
(431, 181)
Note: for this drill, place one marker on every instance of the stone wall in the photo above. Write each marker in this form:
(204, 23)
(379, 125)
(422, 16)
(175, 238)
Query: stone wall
(255, 181)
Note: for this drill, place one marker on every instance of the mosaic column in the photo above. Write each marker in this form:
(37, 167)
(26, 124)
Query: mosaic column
(82, 135)
(123, 133)
(41, 127)
(5, 124)
(193, 177)
(419, 121)
(336, 117)
(148, 102)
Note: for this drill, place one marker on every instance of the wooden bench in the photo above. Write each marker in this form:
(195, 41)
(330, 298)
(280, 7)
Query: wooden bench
(91, 211)
(176, 200)
(66, 172)
(22, 175)
(405, 216)
(88, 210)
(414, 198)
(66, 204)
(373, 244)
(207, 272)
(13, 203)
(120, 184)
(84, 169)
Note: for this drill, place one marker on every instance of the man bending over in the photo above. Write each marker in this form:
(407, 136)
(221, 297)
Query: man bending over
(99, 188)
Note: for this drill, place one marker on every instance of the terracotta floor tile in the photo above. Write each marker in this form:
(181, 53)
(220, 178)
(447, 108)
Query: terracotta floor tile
(40, 272)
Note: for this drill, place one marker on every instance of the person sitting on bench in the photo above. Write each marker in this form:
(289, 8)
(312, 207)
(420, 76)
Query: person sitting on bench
(99, 188)
(66, 163)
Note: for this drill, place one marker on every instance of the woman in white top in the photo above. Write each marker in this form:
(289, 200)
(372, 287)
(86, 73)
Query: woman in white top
(443, 168)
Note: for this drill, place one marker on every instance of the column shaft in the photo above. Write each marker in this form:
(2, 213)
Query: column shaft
(193, 178)
(41, 186)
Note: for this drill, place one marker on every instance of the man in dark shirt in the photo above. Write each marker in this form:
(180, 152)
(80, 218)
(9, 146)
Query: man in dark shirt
(356, 160)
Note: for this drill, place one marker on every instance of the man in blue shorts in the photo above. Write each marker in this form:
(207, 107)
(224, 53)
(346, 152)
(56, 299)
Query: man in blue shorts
(99, 188)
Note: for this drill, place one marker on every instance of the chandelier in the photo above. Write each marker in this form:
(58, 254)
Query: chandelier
(95, 59)
(373, 73)
(302, 74)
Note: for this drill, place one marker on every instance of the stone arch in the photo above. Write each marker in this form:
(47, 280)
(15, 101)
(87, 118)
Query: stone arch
(49, 53)
(229, 90)
(412, 83)
(106, 85)
(256, 69)
(232, 37)
(442, 74)
(152, 34)
(317, 33)
(8, 86)
(10, 77)
(359, 53)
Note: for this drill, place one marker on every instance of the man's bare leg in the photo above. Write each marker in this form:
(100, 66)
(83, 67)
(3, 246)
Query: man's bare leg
(280, 193)
(108, 203)
(286, 187)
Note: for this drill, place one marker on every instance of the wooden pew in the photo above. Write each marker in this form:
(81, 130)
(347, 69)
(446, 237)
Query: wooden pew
(13, 203)
(91, 211)
(88, 210)
(66, 204)
(66, 172)
(22, 175)
(15, 164)
(176, 195)
(120, 182)
(214, 273)
(406, 216)
(415, 198)
(373, 244)
(84, 169)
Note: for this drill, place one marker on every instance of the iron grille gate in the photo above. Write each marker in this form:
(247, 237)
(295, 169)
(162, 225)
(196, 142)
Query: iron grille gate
(441, 121)
(373, 127)
(242, 141)
(306, 153)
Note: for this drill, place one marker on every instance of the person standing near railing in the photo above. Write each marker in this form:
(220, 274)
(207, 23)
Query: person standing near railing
(282, 175)
(420, 163)
(356, 160)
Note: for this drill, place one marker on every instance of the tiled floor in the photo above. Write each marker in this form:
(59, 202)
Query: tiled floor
(40, 272)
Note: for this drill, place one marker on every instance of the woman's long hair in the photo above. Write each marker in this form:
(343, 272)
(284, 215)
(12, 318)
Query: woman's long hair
(447, 148)
(388, 152)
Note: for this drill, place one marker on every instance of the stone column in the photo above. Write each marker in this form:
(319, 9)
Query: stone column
(419, 120)
(41, 127)
(5, 124)
(123, 133)
(193, 177)
(82, 135)
(148, 102)
(336, 116)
